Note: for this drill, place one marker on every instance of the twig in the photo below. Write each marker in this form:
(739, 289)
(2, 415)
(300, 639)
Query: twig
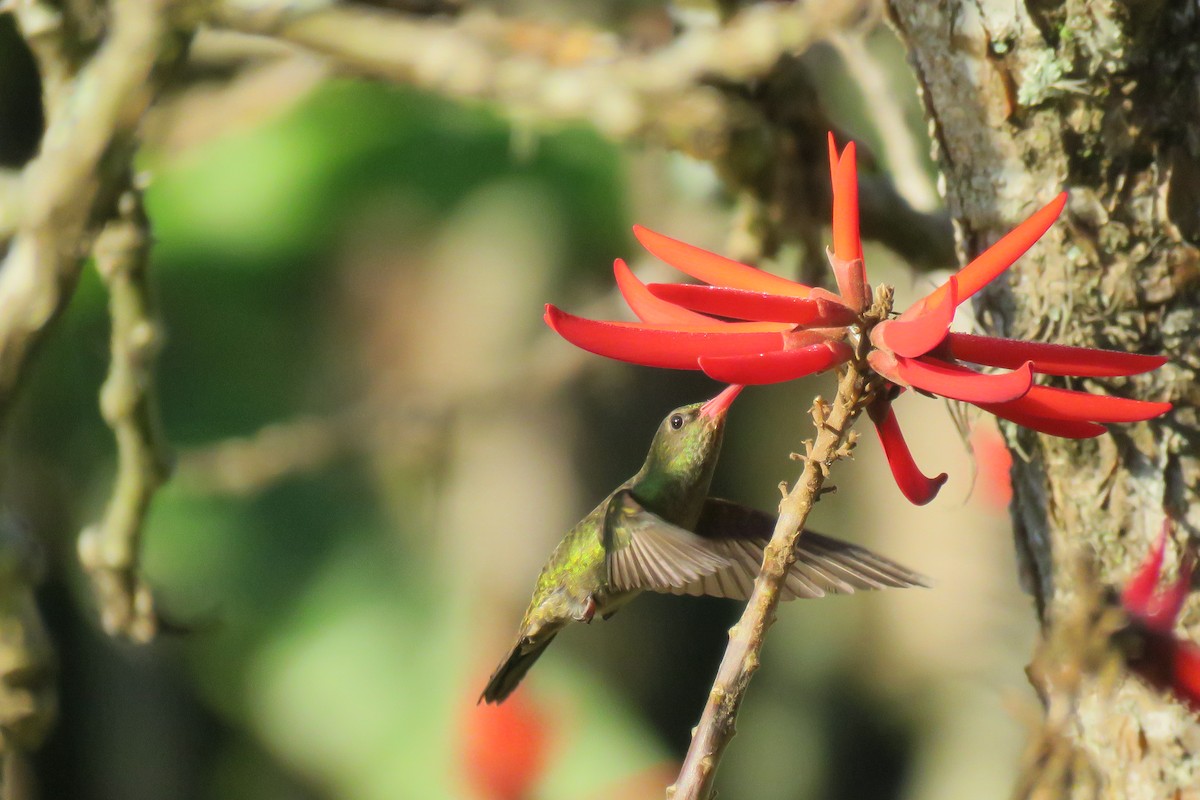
(61, 186)
(48, 30)
(50, 208)
(901, 150)
(245, 465)
(669, 96)
(575, 73)
(408, 424)
(27, 701)
(834, 441)
(109, 550)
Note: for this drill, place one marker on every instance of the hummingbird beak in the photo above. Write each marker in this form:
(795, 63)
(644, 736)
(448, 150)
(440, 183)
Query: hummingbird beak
(717, 407)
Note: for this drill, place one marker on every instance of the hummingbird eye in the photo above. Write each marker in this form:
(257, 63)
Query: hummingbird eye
(676, 421)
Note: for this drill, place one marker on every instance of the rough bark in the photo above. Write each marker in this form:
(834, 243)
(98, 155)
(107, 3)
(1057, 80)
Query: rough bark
(1101, 99)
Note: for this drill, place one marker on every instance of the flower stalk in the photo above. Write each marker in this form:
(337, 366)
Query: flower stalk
(110, 549)
(835, 441)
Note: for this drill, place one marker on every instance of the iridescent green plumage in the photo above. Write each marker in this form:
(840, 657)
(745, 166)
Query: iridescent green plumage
(660, 531)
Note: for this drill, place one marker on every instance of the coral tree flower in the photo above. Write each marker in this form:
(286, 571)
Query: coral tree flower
(1149, 644)
(748, 326)
(505, 749)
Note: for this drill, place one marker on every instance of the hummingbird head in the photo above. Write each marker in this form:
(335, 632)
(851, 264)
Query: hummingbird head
(687, 443)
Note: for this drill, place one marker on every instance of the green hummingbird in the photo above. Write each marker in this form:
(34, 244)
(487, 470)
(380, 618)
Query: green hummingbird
(660, 531)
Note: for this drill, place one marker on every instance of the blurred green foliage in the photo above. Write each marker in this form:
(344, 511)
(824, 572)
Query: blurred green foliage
(317, 631)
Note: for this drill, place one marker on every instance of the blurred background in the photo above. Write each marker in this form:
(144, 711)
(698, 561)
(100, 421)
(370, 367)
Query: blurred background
(379, 442)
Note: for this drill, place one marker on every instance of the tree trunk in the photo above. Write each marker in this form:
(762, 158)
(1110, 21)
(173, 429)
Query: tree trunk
(1026, 99)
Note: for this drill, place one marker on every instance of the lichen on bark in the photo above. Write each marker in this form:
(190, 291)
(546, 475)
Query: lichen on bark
(1097, 98)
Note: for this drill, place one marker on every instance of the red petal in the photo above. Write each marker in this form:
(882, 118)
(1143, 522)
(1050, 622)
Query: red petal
(715, 269)
(743, 304)
(1000, 256)
(1139, 591)
(887, 365)
(912, 482)
(824, 294)
(505, 749)
(1185, 673)
(846, 243)
(659, 345)
(919, 333)
(776, 366)
(994, 464)
(1164, 607)
(959, 383)
(1050, 359)
(1048, 401)
(649, 308)
(851, 279)
(1066, 428)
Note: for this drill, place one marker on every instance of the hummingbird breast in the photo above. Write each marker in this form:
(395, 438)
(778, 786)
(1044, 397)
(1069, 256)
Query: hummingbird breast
(577, 571)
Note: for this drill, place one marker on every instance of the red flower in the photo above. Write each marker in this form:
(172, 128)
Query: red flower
(1149, 644)
(993, 462)
(504, 748)
(748, 326)
(794, 334)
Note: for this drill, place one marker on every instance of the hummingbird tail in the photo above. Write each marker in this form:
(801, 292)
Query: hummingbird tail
(511, 670)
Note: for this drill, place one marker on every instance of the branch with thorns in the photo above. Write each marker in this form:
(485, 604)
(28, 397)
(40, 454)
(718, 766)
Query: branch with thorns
(98, 78)
(834, 441)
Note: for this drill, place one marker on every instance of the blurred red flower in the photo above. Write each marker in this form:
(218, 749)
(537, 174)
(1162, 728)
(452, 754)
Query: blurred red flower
(1149, 644)
(505, 748)
(994, 463)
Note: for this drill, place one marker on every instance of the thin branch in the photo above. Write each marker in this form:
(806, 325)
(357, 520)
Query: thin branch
(246, 465)
(409, 424)
(48, 210)
(883, 104)
(47, 28)
(575, 73)
(835, 441)
(675, 95)
(109, 550)
(924, 239)
(27, 700)
(61, 186)
(901, 207)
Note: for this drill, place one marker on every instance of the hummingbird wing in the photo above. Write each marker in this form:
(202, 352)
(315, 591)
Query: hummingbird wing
(512, 669)
(644, 551)
(823, 565)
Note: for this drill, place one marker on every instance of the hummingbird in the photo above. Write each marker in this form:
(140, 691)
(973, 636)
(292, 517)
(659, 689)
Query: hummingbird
(660, 531)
